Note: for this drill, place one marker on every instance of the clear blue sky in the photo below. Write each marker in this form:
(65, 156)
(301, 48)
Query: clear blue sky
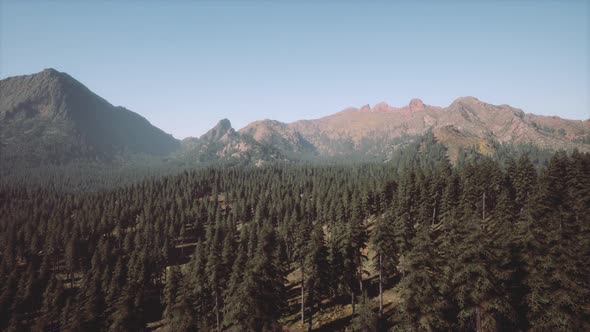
(186, 65)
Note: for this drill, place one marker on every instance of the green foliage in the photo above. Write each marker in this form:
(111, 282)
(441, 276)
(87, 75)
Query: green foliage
(488, 244)
(425, 301)
(365, 319)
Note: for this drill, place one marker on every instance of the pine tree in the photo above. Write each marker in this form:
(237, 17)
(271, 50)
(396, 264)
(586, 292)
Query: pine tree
(72, 255)
(300, 252)
(317, 278)
(405, 215)
(557, 272)
(214, 270)
(171, 291)
(336, 259)
(235, 279)
(385, 260)
(183, 318)
(354, 257)
(92, 308)
(53, 301)
(364, 320)
(425, 303)
(480, 271)
(524, 182)
(125, 316)
(197, 285)
(257, 303)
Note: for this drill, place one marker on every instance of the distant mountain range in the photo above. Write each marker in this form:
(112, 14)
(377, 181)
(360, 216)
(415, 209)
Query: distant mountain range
(50, 118)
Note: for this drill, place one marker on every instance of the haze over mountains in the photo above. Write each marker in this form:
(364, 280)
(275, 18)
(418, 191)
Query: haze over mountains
(50, 118)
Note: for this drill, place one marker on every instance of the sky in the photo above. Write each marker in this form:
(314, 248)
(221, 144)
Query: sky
(184, 65)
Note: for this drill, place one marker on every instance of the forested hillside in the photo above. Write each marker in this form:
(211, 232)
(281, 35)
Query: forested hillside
(480, 246)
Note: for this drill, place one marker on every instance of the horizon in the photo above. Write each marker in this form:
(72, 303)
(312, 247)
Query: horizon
(540, 64)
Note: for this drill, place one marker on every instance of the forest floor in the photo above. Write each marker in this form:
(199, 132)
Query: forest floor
(335, 315)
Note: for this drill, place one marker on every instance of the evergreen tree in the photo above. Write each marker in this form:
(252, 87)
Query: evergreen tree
(425, 303)
(300, 252)
(557, 272)
(385, 260)
(480, 272)
(257, 303)
(524, 182)
(364, 320)
(317, 278)
(126, 317)
(171, 291)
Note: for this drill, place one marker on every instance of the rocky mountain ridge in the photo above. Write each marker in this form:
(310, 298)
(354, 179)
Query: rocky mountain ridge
(467, 122)
(49, 117)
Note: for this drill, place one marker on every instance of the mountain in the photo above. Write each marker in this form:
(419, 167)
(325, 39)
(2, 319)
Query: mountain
(223, 143)
(467, 122)
(280, 136)
(50, 117)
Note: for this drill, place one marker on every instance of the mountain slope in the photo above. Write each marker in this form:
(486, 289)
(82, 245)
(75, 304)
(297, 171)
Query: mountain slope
(223, 143)
(278, 135)
(49, 117)
(370, 131)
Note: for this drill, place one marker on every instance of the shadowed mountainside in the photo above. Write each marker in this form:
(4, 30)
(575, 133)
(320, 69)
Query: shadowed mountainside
(49, 117)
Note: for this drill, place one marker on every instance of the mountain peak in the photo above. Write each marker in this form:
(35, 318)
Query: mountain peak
(381, 107)
(223, 124)
(50, 71)
(465, 103)
(416, 105)
(222, 128)
(467, 99)
(51, 109)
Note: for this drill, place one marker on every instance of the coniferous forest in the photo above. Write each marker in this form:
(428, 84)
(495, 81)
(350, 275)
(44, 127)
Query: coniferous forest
(483, 245)
(291, 166)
